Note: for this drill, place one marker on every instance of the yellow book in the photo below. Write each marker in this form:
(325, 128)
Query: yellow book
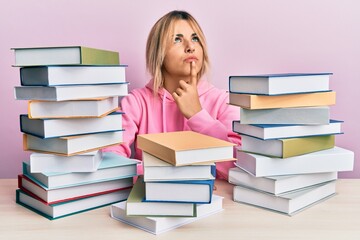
(250, 101)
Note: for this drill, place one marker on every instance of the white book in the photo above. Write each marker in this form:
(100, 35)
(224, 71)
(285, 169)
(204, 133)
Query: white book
(58, 195)
(72, 75)
(113, 166)
(69, 146)
(331, 160)
(74, 92)
(274, 131)
(96, 107)
(156, 169)
(158, 225)
(290, 203)
(85, 162)
(303, 115)
(278, 185)
(64, 209)
(274, 84)
(62, 127)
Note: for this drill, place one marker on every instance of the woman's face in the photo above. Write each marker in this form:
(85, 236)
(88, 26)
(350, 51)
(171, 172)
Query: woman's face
(183, 49)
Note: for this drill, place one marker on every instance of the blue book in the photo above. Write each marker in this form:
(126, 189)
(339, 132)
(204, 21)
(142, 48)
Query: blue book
(196, 191)
(276, 84)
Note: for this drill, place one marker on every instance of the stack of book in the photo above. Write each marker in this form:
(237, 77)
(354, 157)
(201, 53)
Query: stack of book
(177, 186)
(288, 159)
(72, 95)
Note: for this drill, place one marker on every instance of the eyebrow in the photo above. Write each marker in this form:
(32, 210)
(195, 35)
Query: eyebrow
(182, 35)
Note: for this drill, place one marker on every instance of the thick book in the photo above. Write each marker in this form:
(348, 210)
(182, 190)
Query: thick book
(331, 160)
(96, 107)
(180, 148)
(72, 75)
(190, 191)
(64, 209)
(136, 206)
(278, 185)
(156, 169)
(74, 92)
(158, 225)
(52, 196)
(287, 147)
(64, 55)
(290, 203)
(303, 115)
(251, 101)
(85, 162)
(63, 127)
(275, 131)
(70, 146)
(113, 166)
(274, 84)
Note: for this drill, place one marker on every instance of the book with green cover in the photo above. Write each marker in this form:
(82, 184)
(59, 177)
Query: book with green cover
(136, 206)
(289, 147)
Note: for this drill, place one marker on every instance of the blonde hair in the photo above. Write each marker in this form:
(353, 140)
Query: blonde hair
(158, 41)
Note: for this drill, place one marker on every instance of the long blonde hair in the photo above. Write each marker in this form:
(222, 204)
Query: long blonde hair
(158, 41)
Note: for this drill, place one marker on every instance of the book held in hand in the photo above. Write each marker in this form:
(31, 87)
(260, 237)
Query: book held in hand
(274, 84)
(64, 55)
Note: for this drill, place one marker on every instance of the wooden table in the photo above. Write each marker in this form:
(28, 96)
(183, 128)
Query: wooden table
(335, 218)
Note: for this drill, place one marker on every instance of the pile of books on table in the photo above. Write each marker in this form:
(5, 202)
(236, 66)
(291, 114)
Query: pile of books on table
(288, 160)
(72, 95)
(177, 186)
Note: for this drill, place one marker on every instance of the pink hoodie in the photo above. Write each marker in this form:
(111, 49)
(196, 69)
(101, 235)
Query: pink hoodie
(145, 113)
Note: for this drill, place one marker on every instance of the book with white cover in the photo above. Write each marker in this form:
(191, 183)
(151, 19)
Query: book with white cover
(290, 203)
(96, 107)
(158, 225)
(69, 146)
(278, 185)
(274, 131)
(72, 75)
(85, 162)
(331, 160)
(156, 169)
(303, 115)
(73, 92)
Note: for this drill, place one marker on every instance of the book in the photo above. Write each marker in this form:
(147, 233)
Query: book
(96, 107)
(251, 101)
(62, 127)
(191, 191)
(70, 146)
(331, 160)
(85, 162)
(72, 75)
(156, 169)
(158, 225)
(290, 203)
(278, 185)
(64, 209)
(136, 206)
(73, 92)
(64, 55)
(58, 195)
(287, 147)
(273, 84)
(274, 131)
(185, 147)
(113, 166)
(305, 115)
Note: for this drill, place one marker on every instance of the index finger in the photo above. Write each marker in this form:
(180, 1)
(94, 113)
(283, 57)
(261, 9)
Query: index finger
(193, 75)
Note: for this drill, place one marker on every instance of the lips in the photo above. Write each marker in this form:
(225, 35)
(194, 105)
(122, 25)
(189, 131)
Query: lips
(190, 59)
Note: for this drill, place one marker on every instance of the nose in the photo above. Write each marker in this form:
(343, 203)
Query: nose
(190, 48)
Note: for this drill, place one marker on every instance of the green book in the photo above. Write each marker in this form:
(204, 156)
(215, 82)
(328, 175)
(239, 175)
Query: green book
(288, 147)
(64, 55)
(136, 206)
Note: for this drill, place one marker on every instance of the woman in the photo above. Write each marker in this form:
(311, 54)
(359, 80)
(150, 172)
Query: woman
(177, 98)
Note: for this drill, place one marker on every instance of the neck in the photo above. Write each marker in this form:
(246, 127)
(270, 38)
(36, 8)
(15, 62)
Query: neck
(171, 83)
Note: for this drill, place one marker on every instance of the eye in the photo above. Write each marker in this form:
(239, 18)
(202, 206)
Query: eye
(177, 40)
(195, 39)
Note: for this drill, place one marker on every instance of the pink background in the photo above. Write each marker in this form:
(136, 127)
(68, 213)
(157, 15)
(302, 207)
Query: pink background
(244, 37)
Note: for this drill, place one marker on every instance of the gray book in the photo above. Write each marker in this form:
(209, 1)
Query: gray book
(303, 115)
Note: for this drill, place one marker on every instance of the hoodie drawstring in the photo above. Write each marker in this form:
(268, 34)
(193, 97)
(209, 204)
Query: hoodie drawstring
(164, 111)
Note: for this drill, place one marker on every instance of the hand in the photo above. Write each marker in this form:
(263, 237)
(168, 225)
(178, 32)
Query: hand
(186, 96)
